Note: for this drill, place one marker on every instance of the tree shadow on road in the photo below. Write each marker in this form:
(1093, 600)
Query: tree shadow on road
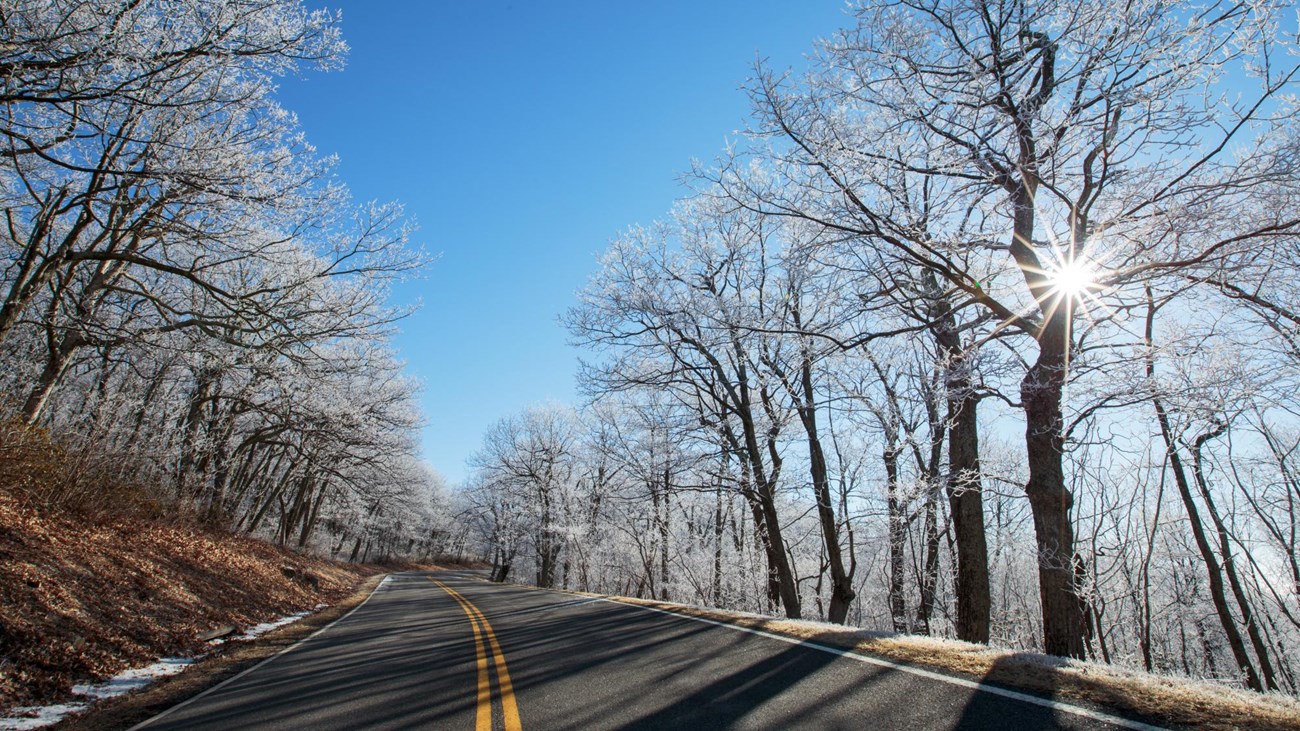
(731, 697)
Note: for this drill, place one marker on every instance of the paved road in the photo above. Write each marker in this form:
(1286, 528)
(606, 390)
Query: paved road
(445, 650)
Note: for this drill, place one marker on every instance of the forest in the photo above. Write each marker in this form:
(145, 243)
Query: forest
(194, 314)
(986, 327)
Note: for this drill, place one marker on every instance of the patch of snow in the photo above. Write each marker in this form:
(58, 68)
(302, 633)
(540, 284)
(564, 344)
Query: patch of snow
(258, 630)
(134, 678)
(261, 629)
(28, 717)
(33, 717)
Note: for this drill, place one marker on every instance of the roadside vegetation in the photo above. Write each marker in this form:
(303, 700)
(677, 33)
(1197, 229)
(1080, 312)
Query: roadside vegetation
(83, 600)
(197, 393)
(1134, 694)
(986, 328)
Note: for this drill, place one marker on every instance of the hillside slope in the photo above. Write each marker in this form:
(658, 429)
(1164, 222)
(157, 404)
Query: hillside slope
(84, 598)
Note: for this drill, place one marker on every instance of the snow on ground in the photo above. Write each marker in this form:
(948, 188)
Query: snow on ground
(38, 716)
(32, 717)
(134, 678)
(258, 630)
(29, 717)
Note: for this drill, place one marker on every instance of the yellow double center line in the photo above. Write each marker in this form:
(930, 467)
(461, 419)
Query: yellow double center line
(479, 624)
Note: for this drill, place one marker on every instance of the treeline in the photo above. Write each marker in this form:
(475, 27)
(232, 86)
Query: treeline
(987, 329)
(190, 300)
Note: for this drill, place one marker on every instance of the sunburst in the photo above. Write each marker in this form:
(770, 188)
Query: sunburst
(1073, 279)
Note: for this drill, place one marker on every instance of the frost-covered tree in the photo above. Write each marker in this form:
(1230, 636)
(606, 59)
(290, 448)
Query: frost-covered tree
(184, 290)
(1072, 152)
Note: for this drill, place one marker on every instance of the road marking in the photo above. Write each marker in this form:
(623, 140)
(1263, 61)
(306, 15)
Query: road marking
(867, 659)
(505, 688)
(483, 716)
(286, 650)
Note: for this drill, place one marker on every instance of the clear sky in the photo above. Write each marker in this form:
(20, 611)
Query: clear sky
(522, 137)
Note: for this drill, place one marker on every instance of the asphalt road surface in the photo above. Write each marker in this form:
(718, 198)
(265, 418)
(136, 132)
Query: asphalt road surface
(448, 651)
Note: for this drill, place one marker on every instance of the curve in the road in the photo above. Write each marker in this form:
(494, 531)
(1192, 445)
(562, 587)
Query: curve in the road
(407, 658)
(478, 622)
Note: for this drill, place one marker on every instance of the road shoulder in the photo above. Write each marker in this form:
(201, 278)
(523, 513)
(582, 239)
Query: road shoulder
(1136, 696)
(126, 711)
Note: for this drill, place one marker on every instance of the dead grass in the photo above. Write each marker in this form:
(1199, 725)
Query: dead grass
(1153, 698)
(37, 466)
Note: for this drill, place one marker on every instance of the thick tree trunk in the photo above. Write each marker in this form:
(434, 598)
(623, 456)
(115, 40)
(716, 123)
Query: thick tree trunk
(776, 553)
(780, 577)
(55, 364)
(773, 582)
(1050, 502)
(842, 593)
(69, 341)
(966, 503)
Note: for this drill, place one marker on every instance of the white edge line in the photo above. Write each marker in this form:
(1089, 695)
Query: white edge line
(963, 682)
(286, 650)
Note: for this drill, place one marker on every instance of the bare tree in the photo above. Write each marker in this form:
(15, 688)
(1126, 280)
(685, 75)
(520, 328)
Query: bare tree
(1057, 137)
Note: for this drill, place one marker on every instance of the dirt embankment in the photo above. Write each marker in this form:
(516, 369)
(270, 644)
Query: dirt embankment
(83, 599)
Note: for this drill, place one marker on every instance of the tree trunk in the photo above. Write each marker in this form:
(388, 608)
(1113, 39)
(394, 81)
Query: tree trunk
(190, 426)
(966, 503)
(897, 541)
(664, 529)
(1050, 502)
(842, 593)
(55, 364)
(716, 587)
(776, 545)
(1215, 575)
(964, 488)
(547, 551)
(765, 489)
(930, 575)
(1268, 675)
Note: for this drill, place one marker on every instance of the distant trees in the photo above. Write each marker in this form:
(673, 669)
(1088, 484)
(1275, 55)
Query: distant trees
(182, 283)
(688, 324)
(527, 463)
(966, 219)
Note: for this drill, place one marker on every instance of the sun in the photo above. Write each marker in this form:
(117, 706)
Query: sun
(1073, 279)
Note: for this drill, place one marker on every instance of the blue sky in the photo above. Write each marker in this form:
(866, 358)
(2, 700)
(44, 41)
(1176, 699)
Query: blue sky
(522, 137)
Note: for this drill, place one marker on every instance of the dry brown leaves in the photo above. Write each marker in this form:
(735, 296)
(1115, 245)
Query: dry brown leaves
(83, 599)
